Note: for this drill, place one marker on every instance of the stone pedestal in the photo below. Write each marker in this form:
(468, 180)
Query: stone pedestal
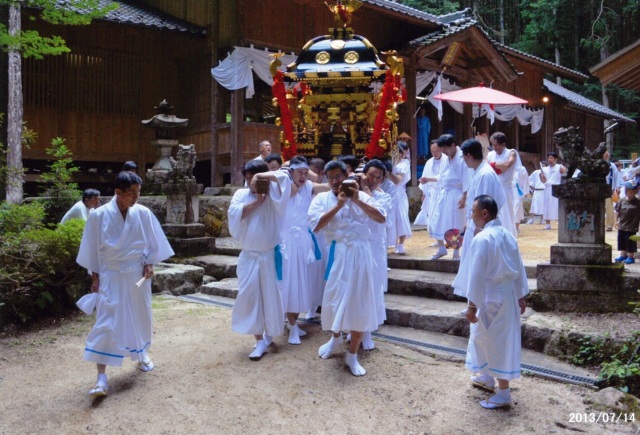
(580, 276)
(186, 235)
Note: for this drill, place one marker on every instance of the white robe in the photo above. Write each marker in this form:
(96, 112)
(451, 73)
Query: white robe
(432, 169)
(299, 253)
(258, 307)
(390, 188)
(520, 189)
(378, 242)
(537, 198)
(484, 181)
(553, 175)
(494, 280)
(78, 211)
(446, 214)
(401, 201)
(507, 215)
(118, 249)
(349, 302)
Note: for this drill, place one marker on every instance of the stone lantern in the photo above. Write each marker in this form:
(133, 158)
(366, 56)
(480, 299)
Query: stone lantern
(165, 125)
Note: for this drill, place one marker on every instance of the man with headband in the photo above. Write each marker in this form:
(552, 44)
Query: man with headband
(301, 285)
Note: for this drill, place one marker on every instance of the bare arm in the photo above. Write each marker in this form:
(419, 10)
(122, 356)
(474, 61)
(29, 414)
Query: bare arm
(322, 187)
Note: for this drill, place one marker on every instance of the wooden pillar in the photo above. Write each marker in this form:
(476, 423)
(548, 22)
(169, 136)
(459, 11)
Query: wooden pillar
(216, 176)
(237, 145)
(410, 110)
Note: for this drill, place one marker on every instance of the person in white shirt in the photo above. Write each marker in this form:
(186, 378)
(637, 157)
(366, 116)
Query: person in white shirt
(505, 162)
(81, 209)
(430, 182)
(264, 148)
(551, 175)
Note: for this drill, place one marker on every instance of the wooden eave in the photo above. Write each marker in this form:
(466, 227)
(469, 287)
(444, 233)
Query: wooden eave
(621, 68)
(478, 60)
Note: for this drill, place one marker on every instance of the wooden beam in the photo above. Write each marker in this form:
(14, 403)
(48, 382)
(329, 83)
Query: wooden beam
(431, 65)
(237, 146)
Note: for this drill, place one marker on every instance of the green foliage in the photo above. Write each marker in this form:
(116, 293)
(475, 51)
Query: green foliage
(622, 370)
(435, 7)
(31, 44)
(592, 351)
(61, 192)
(38, 273)
(17, 218)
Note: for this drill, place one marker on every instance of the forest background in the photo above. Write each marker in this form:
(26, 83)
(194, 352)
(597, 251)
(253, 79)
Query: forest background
(576, 34)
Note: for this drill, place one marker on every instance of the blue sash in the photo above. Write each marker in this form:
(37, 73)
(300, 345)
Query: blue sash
(316, 248)
(332, 254)
(277, 255)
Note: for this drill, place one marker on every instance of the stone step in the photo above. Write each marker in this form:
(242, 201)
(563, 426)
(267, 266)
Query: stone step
(176, 279)
(436, 285)
(542, 333)
(217, 266)
(445, 265)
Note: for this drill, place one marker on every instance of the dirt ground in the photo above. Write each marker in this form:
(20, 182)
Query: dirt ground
(204, 382)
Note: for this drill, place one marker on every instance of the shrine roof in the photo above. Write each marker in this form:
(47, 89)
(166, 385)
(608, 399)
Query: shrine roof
(585, 103)
(145, 17)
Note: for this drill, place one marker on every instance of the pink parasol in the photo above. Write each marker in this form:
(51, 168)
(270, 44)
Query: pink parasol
(481, 95)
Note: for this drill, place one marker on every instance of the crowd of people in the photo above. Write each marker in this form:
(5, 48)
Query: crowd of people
(315, 238)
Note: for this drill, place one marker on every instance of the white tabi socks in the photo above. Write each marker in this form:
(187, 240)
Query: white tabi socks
(101, 388)
(294, 334)
(258, 351)
(367, 341)
(352, 361)
(502, 399)
(327, 349)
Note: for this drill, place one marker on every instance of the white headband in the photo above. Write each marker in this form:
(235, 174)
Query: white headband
(300, 165)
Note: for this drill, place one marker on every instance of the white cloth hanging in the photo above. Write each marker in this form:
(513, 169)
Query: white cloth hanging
(235, 71)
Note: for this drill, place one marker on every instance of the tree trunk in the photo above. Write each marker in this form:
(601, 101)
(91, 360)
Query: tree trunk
(15, 176)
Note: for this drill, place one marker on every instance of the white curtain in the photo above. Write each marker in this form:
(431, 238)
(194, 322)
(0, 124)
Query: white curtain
(235, 71)
(422, 81)
(524, 115)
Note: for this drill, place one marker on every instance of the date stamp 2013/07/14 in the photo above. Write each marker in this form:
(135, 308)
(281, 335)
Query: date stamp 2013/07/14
(602, 417)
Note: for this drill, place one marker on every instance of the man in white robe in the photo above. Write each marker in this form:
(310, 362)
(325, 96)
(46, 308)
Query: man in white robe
(349, 302)
(495, 283)
(255, 219)
(536, 187)
(550, 176)
(81, 209)
(448, 212)
(484, 181)
(520, 189)
(301, 266)
(505, 162)
(264, 148)
(429, 183)
(121, 242)
(373, 174)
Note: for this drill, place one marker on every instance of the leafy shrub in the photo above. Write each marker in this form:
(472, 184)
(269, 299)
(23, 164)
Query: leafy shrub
(38, 273)
(16, 218)
(61, 193)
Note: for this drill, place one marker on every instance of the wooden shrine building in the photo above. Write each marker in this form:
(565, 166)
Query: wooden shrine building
(122, 66)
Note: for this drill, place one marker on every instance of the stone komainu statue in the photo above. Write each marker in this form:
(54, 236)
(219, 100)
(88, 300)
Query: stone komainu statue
(571, 148)
(184, 163)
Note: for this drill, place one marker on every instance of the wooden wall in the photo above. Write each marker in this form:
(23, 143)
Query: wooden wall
(97, 95)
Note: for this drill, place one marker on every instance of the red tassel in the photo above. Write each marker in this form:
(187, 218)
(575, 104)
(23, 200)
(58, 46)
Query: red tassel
(280, 94)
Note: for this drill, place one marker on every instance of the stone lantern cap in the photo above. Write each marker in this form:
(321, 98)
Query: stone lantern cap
(164, 119)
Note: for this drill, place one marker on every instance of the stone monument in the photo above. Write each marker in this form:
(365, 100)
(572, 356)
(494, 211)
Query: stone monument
(581, 275)
(174, 178)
